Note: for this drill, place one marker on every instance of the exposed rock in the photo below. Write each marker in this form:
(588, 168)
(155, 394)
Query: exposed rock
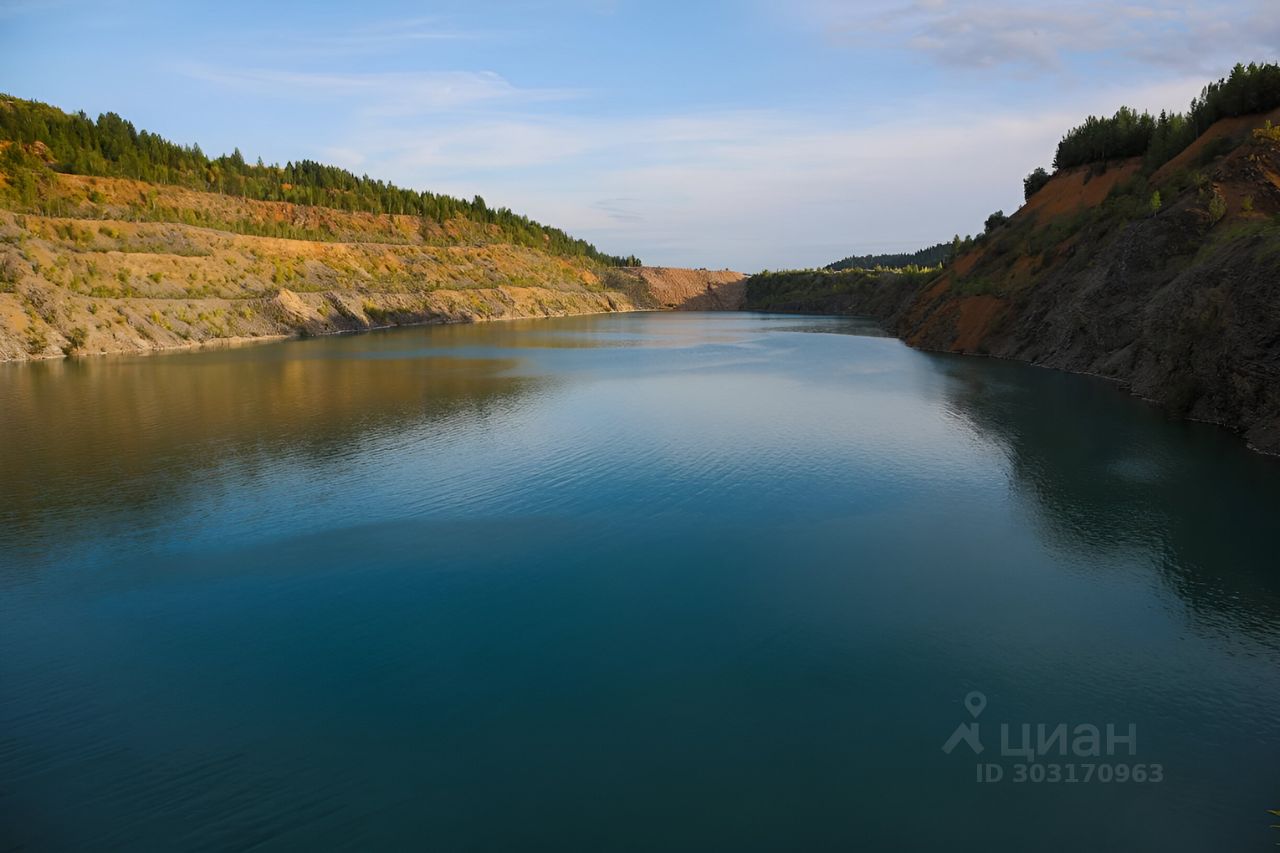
(681, 289)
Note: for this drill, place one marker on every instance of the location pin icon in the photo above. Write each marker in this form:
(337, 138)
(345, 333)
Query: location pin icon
(976, 702)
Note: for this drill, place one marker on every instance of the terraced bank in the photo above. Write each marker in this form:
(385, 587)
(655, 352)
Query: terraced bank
(130, 267)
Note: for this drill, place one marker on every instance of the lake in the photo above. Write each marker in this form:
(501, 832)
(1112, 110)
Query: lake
(628, 582)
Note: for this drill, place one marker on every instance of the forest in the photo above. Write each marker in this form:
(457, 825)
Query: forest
(1252, 88)
(112, 147)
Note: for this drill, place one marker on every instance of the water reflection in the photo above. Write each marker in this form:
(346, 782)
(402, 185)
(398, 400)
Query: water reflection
(1105, 474)
(107, 441)
(113, 440)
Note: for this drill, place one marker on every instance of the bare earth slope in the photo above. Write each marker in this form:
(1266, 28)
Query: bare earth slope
(681, 289)
(138, 267)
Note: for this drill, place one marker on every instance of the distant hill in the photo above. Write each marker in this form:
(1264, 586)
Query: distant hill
(1151, 256)
(933, 256)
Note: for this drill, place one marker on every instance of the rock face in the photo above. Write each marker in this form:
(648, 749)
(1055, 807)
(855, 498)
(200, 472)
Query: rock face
(94, 281)
(681, 289)
(48, 324)
(1180, 300)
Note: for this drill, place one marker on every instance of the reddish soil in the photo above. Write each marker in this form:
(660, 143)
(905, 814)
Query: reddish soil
(1073, 190)
(1234, 128)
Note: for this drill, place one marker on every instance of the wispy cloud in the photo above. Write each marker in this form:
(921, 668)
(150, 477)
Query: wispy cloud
(376, 37)
(399, 31)
(620, 210)
(391, 92)
(1045, 35)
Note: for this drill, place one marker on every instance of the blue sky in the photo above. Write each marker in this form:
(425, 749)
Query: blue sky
(742, 133)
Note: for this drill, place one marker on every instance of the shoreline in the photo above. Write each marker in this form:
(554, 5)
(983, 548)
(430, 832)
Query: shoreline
(251, 340)
(445, 320)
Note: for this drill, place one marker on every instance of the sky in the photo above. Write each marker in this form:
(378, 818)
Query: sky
(726, 133)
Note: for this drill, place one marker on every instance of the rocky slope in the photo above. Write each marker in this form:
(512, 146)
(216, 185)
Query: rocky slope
(129, 266)
(681, 289)
(1178, 298)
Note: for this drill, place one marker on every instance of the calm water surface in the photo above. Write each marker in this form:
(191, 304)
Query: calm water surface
(646, 582)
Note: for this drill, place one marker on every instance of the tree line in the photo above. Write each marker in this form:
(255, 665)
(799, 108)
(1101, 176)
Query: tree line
(932, 256)
(1252, 88)
(110, 146)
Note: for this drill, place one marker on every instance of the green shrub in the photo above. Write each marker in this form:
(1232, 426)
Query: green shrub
(1270, 133)
(75, 340)
(10, 272)
(1217, 207)
(1034, 182)
(36, 340)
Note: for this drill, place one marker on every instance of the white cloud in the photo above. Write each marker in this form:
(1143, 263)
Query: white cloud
(1044, 35)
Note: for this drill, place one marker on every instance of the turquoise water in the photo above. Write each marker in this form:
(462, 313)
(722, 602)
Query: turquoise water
(640, 582)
